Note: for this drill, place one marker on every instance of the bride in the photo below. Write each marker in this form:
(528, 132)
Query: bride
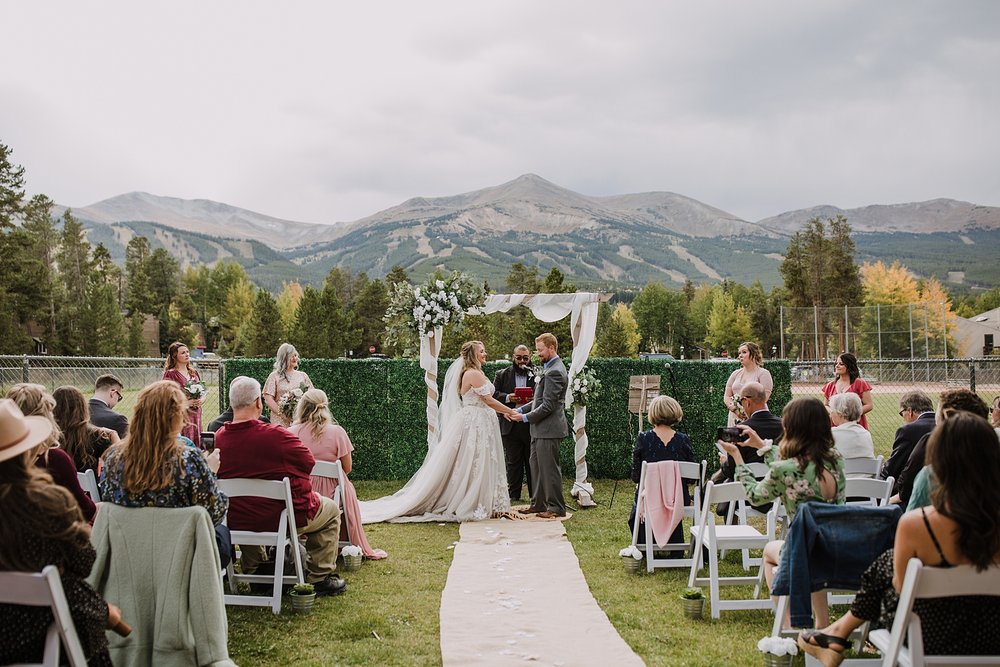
(463, 477)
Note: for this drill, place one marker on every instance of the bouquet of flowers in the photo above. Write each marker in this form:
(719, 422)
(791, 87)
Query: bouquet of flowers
(195, 389)
(778, 647)
(290, 399)
(585, 386)
(439, 301)
(738, 404)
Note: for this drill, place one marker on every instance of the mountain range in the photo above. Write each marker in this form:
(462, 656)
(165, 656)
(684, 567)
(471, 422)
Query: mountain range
(598, 242)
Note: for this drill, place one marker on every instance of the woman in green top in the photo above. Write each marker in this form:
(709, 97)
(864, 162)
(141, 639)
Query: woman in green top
(809, 469)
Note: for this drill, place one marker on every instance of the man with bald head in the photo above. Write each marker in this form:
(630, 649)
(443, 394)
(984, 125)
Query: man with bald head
(760, 420)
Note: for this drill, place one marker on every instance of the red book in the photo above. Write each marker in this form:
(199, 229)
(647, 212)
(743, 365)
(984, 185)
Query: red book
(524, 394)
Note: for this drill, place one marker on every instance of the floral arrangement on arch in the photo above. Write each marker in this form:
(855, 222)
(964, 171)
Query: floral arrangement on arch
(586, 386)
(435, 303)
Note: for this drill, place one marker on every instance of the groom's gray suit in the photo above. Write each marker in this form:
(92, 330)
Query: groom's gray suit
(547, 419)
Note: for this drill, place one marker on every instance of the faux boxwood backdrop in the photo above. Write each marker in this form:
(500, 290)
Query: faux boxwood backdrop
(382, 405)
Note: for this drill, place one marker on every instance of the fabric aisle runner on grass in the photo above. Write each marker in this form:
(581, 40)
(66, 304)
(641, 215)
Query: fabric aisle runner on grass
(515, 592)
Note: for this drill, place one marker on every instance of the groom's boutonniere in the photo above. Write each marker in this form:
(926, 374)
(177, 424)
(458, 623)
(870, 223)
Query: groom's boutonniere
(538, 372)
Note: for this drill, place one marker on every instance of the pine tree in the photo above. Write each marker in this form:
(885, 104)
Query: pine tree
(308, 333)
(73, 260)
(102, 315)
(728, 324)
(236, 315)
(265, 326)
(369, 310)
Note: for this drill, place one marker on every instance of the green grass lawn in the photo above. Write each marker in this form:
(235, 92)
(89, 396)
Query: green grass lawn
(398, 599)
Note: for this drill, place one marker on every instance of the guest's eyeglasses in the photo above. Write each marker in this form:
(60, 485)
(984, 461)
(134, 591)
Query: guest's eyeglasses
(904, 410)
(118, 393)
(521, 357)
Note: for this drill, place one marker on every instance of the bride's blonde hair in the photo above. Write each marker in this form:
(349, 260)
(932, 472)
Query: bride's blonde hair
(313, 411)
(470, 359)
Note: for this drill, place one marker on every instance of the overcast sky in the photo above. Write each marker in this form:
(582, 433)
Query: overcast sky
(326, 111)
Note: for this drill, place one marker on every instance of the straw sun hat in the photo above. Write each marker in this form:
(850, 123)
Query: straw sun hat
(18, 433)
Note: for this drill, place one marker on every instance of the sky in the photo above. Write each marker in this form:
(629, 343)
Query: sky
(326, 112)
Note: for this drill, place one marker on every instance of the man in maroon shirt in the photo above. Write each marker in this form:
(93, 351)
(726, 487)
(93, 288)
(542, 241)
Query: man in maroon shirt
(252, 449)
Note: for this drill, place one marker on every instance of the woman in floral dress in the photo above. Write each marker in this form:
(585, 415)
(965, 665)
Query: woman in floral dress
(179, 369)
(286, 377)
(810, 469)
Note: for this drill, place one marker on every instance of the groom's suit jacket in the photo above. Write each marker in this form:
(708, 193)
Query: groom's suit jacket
(504, 382)
(548, 409)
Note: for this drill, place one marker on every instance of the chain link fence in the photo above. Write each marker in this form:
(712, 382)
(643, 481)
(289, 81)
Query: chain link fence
(82, 372)
(891, 378)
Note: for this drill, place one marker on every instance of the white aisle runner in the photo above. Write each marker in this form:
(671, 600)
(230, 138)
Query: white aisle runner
(515, 593)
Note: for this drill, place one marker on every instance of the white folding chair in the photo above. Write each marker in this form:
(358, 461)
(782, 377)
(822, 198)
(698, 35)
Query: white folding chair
(863, 466)
(931, 582)
(44, 589)
(743, 512)
(741, 536)
(334, 470)
(88, 482)
(871, 492)
(689, 472)
(284, 536)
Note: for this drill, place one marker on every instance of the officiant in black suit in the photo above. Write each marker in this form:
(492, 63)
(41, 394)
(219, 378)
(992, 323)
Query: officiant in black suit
(516, 435)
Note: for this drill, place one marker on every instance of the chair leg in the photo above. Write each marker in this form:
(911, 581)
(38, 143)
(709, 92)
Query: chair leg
(279, 573)
(713, 573)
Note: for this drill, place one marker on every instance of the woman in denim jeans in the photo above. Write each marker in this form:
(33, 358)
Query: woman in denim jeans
(809, 469)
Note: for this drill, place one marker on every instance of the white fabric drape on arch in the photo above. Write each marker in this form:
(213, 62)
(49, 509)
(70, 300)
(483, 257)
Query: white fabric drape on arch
(582, 309)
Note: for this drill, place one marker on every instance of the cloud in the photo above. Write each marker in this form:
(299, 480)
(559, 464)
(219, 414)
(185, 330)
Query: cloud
(328, 112)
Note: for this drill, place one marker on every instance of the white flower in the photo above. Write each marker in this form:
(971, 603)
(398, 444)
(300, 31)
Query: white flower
(583, 390)
(440, 284)
(351, 550)
(632, 551)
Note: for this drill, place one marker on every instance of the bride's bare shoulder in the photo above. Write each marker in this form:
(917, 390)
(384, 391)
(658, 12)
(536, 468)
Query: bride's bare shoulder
(473, 378)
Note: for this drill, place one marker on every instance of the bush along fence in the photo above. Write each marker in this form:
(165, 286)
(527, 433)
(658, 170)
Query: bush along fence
(381, 404)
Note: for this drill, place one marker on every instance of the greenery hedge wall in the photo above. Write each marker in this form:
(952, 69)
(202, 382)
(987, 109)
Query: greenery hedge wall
(381, 404)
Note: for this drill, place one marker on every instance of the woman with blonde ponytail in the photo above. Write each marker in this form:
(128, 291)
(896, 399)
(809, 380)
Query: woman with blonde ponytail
(328, 441)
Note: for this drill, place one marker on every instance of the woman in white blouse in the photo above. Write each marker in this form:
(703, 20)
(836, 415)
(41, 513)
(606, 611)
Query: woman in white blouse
(850, 438)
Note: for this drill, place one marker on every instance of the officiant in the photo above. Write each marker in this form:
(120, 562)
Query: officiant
(516, 435)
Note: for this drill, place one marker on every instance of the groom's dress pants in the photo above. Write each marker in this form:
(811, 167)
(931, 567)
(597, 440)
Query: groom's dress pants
(545, 474)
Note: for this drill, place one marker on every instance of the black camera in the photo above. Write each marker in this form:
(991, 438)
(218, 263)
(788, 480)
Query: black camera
(729, 434)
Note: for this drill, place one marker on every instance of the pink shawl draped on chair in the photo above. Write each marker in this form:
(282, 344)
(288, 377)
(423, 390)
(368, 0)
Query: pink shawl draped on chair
(664, 499)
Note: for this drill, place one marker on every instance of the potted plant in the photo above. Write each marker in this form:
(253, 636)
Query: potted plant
(693, 601)
(632, 558)
(352, 557)
(778, 651)
(303, 597)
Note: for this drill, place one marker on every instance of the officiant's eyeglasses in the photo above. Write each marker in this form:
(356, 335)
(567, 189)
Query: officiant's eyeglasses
(521, 357)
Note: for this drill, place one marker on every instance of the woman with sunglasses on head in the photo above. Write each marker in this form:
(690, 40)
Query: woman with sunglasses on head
(849, 380)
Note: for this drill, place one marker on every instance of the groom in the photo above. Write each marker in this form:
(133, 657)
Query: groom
(547, 419)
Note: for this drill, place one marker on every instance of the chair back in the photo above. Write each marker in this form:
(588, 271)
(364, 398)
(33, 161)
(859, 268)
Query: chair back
(332, 470)
(921, 581)
(863, 466)
(759, 469)
(88, 482)
(877, 491)
(44, 589)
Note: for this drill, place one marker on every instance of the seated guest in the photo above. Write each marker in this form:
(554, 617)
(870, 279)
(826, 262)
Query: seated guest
(810, 469)
(995, 413)
(328, 441)
(760, 420)
(951, 400)
(850, 438)
(107, 393)
(33, 400)
(83, 441)
(917, 412)
(251, 449)
(227, 416)
(42, 526)
(962, 527)
(661, 443)
(151, 467)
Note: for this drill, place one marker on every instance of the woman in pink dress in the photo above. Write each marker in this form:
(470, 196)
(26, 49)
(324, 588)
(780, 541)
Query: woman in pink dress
(751, 370)
(849, 380)
(328, 441)
(179, 369)
(285, 378)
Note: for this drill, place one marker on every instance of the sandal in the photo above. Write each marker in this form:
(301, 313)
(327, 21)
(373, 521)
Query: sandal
(821, 646)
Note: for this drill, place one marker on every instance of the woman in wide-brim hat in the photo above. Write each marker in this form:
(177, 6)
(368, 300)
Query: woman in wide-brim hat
(42, 525)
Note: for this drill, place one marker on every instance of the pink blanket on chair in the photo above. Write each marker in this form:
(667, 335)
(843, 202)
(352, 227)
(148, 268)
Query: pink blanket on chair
(664, 499)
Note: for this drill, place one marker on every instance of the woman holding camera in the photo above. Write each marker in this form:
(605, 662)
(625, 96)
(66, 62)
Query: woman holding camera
(809, 469)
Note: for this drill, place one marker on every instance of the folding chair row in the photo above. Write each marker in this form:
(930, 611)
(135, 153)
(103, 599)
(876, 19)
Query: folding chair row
(334, 470)
(863, 467)
(44, 589)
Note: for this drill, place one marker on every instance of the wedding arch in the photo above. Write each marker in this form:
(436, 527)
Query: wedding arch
(582, 310)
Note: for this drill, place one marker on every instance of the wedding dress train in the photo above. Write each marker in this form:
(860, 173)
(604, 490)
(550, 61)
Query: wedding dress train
(463, 478)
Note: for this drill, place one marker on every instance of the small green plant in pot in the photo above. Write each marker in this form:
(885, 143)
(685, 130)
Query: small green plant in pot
(303, 597)
(693, 601)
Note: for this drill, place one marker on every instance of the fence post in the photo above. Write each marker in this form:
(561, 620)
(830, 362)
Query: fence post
(25, 366)
(222, 385)
(972, 374)
(816, 330)
(878, 324)
(913, 372)
(781, 324)
(847, 332)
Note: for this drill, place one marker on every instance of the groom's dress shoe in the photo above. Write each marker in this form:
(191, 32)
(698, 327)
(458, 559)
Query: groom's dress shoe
(528, 510)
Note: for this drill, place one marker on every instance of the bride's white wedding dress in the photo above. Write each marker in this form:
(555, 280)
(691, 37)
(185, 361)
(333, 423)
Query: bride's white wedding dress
(463, 478)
